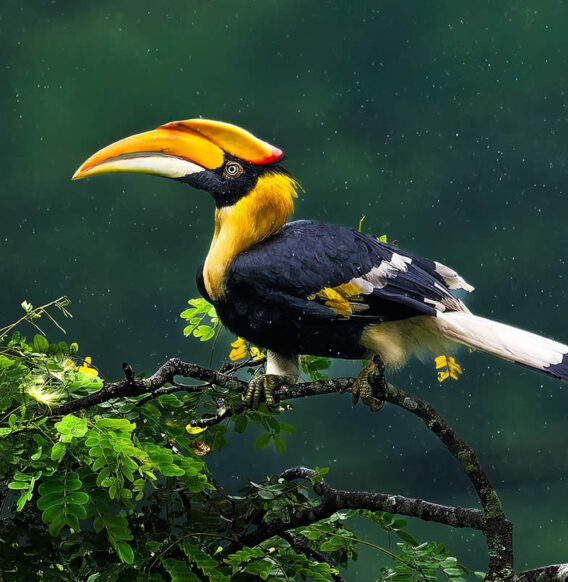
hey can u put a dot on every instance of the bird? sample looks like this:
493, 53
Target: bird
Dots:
308, 287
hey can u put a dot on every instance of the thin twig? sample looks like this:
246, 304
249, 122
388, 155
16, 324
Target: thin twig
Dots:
232, 367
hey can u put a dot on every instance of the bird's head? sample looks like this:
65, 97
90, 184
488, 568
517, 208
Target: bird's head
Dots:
223, 159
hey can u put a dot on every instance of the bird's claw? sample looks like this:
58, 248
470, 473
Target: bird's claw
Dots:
366, 390
262, 388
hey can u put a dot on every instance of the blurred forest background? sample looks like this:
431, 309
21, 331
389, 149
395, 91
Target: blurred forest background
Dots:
444, 123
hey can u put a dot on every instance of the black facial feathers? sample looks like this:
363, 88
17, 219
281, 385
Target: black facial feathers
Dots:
225, 189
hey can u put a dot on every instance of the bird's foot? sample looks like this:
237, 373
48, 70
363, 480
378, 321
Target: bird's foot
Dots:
261, 388
369, 385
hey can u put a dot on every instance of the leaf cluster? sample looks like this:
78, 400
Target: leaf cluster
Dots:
426, 562
203, 320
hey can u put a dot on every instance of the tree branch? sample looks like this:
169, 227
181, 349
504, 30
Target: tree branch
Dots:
132, 386
334, 500
491, 520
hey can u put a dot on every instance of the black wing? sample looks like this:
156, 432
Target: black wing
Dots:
314, 278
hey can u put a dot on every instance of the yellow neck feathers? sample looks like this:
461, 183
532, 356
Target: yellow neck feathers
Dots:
257, 215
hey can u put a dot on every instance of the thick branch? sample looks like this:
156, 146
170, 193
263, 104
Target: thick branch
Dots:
334, 500
132, 386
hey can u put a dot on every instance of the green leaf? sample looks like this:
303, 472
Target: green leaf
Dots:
96, 451
47, 501
314, 366
23, 499
319, 474
203, 560
18, 476
118, 424
100, 462
240, 421
72, 521
179, 571
280, 443
266, 494
5, 362
204, 333
121, 533
453, 571
49, 514
261, 568
404, 535
72, 484
58, 451
72, 426
40, 344
54, 485
57, 524
333, 543
170, 470
261, 442
37, 455
124, 551
78, 497
287, 428
18, 485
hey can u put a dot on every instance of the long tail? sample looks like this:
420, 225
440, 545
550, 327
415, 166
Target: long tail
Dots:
504, 341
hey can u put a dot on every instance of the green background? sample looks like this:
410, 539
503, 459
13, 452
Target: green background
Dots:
443, 122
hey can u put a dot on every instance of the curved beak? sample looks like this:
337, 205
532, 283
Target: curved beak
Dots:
178, 149
162, 152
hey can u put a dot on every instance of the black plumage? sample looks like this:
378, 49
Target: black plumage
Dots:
268, 289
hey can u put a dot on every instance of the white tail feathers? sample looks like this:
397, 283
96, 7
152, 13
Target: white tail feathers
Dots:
504, 341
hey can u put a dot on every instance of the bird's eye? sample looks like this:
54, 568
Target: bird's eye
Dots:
233, 170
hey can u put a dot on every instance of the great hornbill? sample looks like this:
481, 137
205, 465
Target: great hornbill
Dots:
306, 287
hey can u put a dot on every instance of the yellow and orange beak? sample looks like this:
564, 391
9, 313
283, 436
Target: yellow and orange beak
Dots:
178, 149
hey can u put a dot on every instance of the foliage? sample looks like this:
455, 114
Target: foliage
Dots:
122, 490
423, 562
203, 320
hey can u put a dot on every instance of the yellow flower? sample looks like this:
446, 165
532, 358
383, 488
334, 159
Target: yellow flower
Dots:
194, 429
86, 367
451, 368
239, 350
